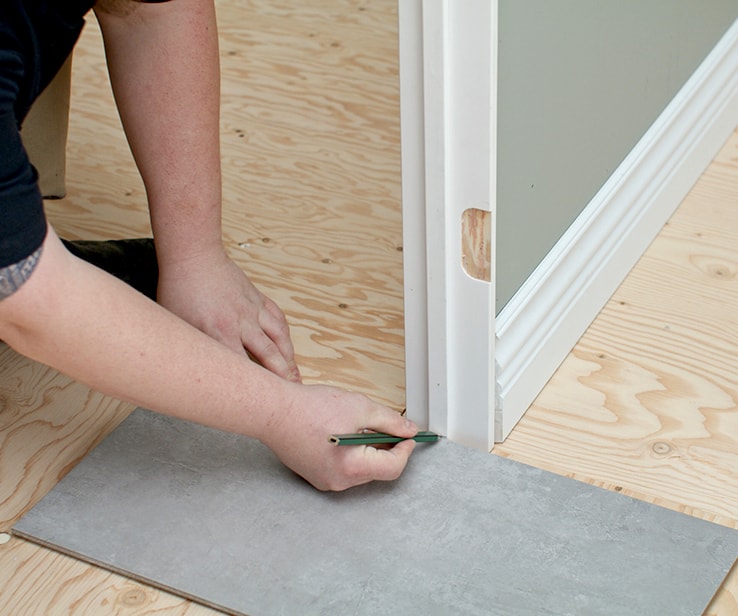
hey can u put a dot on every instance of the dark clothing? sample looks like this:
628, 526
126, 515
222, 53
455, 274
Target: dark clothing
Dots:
133, 261
36, 37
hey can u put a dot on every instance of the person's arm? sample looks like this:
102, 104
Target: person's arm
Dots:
164, 67
89, 325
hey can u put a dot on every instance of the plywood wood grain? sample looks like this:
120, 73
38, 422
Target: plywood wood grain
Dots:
48, 423
39, 582
311, 176
312, 165
310, 139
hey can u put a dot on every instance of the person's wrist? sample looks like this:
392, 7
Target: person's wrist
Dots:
184, 257
279, 414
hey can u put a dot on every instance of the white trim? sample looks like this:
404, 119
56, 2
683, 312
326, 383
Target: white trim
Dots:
413, 209
448, 51
543, 321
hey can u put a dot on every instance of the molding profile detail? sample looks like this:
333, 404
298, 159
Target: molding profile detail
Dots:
543, 321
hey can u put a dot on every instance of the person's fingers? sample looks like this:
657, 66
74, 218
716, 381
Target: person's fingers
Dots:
386, 464
383, 419
366, 463
230, 337
274, 323
319, 411
263, 349
267, 339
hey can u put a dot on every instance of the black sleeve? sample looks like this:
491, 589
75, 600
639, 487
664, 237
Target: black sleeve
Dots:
22, 220
36, 37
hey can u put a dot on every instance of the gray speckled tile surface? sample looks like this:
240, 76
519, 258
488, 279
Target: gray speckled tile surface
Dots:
216, 517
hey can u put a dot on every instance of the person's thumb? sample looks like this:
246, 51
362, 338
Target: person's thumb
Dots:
391, 422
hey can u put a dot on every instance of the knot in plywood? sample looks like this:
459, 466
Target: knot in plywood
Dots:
661, 448
133, 597
717, 269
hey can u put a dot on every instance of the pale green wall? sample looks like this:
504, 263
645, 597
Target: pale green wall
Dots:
580, 81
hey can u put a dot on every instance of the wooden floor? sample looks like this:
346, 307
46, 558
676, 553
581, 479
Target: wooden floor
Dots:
646, 404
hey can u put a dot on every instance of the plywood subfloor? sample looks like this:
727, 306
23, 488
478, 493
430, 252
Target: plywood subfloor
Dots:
654, 423
311, 166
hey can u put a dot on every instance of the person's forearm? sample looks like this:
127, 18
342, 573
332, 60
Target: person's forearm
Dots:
84, 322
163, 62
96, 329
164, 67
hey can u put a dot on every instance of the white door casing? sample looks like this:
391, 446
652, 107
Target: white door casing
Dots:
459, 382
448, 115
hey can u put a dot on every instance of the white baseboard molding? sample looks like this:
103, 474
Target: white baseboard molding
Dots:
543, 321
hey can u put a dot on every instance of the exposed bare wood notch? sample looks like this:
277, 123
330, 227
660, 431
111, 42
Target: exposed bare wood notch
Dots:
476, 251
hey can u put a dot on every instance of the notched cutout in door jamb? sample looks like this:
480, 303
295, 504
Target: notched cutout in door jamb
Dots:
476, 246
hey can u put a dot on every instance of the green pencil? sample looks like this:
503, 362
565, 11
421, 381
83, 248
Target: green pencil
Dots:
378, 438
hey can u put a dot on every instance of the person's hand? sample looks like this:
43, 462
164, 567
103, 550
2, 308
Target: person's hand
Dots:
300, 438
214, 295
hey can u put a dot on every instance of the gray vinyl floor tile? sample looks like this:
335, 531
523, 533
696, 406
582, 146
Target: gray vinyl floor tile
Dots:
216, 517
